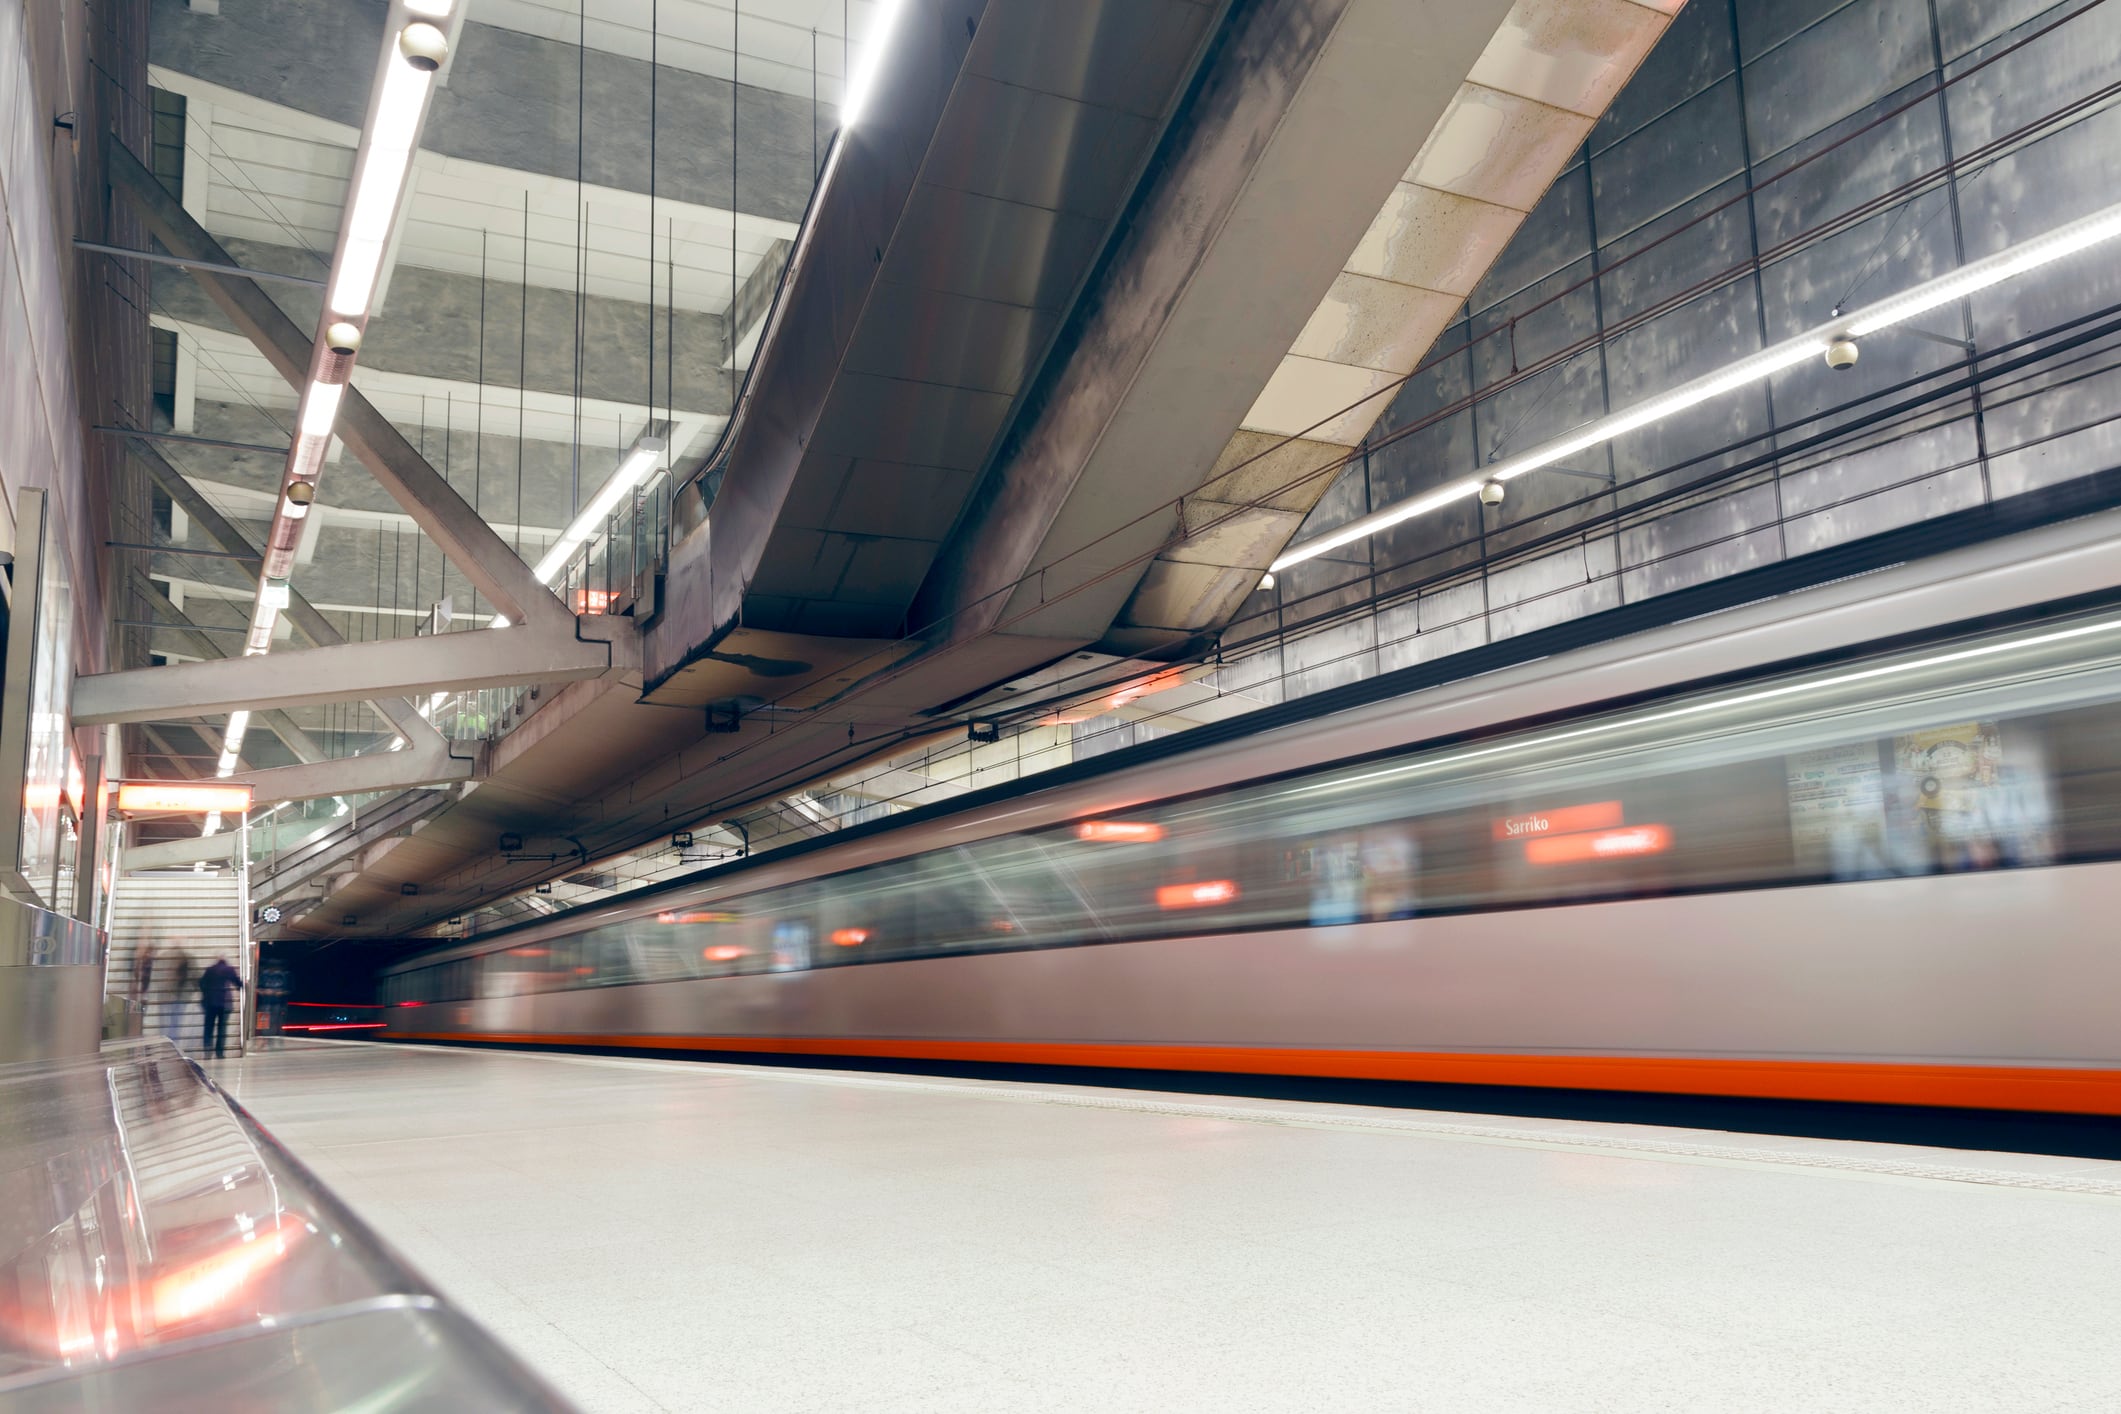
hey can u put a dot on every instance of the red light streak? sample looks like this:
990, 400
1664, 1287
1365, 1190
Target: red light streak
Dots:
1119, 831
1606, 844
333, 1025
1155, 682
412, 1004
1196, 895
851, 937
345, 1006
725, 952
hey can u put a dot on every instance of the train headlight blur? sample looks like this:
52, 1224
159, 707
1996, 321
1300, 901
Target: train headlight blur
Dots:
1605, 844
1120, 831
1196, 895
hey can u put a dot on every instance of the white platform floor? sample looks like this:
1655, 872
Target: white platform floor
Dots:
669, 1235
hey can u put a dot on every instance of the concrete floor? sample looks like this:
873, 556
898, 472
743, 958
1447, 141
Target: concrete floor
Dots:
669, 1235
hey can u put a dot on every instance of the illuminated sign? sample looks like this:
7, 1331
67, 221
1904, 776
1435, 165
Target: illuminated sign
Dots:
1570, 818
1119, 831
1195, 895
695, 916
179, 798
594, 601
724, 952
1605, 844
850, 937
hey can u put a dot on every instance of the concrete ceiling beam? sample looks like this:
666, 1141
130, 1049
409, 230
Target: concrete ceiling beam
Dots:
447, 518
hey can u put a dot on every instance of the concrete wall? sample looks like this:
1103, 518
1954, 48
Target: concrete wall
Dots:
41, 436
1738, 93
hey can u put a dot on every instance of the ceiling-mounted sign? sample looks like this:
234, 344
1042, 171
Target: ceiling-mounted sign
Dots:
1603, 815
181, 798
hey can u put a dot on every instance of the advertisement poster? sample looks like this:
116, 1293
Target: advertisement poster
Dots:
1971, 803
1953, 771
1837, 810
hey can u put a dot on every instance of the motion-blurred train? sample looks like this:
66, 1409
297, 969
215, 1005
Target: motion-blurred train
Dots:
1861, 842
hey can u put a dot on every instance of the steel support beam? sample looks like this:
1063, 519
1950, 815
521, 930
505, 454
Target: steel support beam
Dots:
307, 621
177, 761
350, 672
353, 775
449, 520
281, 725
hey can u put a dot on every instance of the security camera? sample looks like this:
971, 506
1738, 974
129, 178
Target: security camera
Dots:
1492, 492
343, 339
423, 46
1841, 354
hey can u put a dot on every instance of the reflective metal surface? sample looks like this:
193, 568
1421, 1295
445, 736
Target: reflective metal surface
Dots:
36, 937
161, 1251
51, 984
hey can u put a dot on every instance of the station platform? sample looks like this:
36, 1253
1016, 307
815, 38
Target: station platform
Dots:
671, 1235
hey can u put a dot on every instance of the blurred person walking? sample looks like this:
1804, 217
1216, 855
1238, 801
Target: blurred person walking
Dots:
220, 988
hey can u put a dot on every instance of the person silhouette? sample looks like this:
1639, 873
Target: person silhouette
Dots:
219, 989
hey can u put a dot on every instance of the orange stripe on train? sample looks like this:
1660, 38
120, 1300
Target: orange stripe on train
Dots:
2066, 1091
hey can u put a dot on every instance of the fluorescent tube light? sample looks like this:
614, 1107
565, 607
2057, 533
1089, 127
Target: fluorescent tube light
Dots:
863, 80
639, 462
381, 181
320, 410
1968, 279
1993, 270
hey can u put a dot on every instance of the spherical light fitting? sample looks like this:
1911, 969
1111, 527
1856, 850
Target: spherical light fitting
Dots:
423, 46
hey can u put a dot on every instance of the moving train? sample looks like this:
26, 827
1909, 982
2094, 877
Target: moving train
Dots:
1886, 868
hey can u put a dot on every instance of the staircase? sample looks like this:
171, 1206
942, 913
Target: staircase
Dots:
189, 919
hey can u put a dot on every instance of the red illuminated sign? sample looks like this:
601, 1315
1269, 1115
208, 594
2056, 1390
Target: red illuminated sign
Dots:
1605, 844
1119, 831
594, 601
850, 937
1570, 818
724, 952
1195, 895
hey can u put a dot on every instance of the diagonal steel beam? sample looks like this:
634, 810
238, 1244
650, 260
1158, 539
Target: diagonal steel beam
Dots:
312, 625
282, 726
180, 764
350, 672
449, 520
357, 775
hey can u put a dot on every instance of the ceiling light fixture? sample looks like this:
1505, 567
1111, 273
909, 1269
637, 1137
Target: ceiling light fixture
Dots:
1896, 309
862, 82
394, 131
634, 468
413, 52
